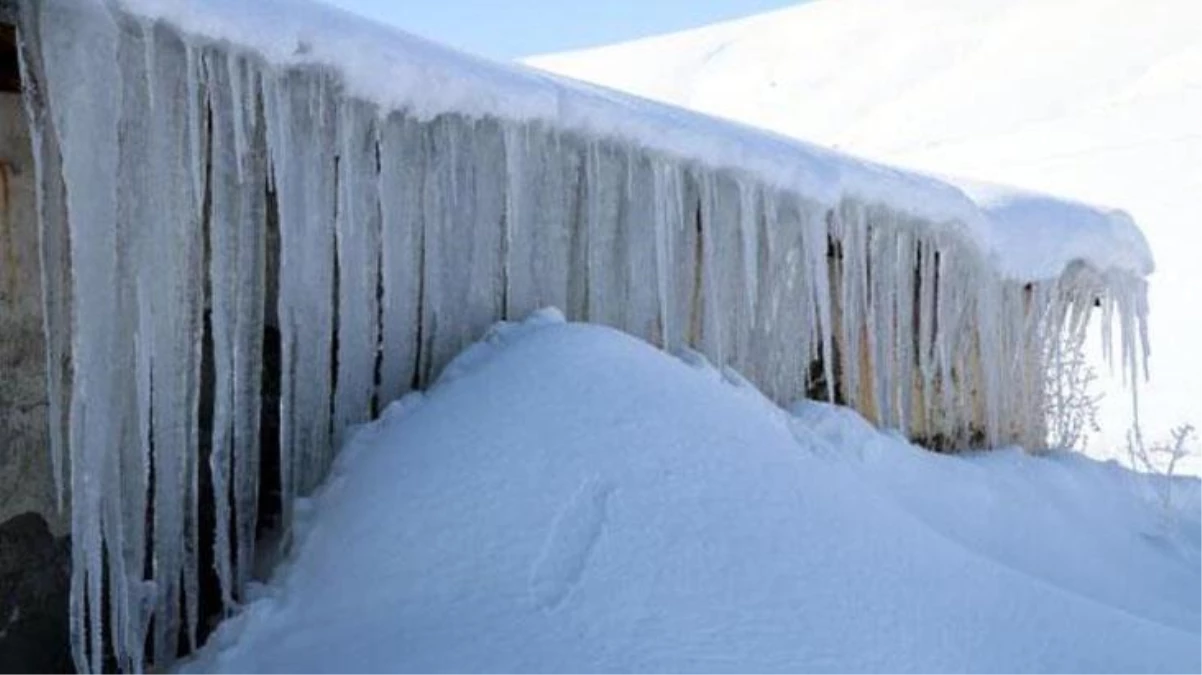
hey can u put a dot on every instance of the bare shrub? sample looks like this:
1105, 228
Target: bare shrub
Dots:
1161, 459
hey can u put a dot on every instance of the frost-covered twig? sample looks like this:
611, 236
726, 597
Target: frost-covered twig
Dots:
1070, 403
1161, 459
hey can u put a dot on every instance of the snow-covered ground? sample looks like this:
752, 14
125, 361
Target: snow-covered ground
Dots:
1097, 100
568, 498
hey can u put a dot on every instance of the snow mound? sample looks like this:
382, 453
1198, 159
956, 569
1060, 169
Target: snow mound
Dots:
569, 498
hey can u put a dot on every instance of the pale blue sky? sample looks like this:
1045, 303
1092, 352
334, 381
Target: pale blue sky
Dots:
509, 29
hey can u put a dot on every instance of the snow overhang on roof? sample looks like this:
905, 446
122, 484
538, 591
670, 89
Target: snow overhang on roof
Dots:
1027, 236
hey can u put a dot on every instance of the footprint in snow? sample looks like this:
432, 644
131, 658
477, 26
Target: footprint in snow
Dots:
571, 540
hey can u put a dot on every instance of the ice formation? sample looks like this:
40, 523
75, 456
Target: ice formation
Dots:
193, 193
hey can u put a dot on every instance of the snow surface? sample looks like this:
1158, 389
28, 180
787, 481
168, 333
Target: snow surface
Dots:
400, 71
568, 498
1094, 100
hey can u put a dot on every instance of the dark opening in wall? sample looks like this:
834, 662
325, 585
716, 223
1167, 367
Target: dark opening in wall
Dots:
10, 65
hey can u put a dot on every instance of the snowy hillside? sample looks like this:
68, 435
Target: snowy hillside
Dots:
1094, 100
568, 498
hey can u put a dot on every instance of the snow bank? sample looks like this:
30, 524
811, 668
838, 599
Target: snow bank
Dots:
399, 71
572, 499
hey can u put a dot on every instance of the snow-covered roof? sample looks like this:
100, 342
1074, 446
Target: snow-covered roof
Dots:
399, 71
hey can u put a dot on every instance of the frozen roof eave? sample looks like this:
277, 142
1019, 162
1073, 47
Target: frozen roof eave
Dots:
1027, 237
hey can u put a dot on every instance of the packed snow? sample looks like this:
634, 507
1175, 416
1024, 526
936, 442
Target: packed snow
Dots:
399, 71
1094, 100
568, 498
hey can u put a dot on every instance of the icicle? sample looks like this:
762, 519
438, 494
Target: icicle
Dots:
302, 141
169, 287
605, 238
666, 199
927, 312
463, 208
905, 330
725, 297
748, 231
223, 278
882, 284
540, 188
684, 206
516, 161
437, 204
949, 287
235, 73
403, 160
852, 234
641, 255
196, 113
358, 241
486, 167
134, 211
578, 231
785, 308
711, 339
236, 282
79, 54
817, 289
250, 310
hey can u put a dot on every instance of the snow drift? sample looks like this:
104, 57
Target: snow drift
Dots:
570, 499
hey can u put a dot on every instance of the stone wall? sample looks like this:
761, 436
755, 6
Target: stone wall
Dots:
26, 479
34, 554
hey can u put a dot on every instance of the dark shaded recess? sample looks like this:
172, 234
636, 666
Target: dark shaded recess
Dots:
943, 444
10, 68
270, 502
816, 385
35, 571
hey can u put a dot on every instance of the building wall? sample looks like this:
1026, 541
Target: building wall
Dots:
34, 548
26, 479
